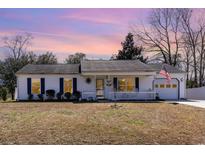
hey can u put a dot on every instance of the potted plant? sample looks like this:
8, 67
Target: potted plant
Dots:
59, 96
157, 96
40, 96
30, 97
50, 94
67, 95
76, 95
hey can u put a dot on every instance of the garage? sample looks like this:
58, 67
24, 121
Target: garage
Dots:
167, 90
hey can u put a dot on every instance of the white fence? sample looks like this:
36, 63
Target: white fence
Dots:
90, 95
133, 95
149, 95
195, 93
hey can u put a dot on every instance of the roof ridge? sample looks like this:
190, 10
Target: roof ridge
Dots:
110, 60
52, 64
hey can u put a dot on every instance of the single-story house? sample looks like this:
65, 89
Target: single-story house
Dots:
102, 79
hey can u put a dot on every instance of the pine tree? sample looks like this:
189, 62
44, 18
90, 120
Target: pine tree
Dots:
130, 51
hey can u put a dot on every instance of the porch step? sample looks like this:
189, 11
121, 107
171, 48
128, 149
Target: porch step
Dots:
100, 97
102, 100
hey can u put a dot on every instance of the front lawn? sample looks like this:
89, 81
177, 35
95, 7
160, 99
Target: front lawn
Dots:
128, 123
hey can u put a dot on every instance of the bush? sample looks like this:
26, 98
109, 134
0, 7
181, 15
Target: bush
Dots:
77, 95
191, 84
67, 95
59, 95
50, 93
40, 96
3, 93
30, 97
157, 96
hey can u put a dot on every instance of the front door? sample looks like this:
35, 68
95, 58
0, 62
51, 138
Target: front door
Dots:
100, 88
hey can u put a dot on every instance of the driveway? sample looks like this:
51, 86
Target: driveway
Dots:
196, 103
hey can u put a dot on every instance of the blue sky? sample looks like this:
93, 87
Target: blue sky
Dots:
96, 32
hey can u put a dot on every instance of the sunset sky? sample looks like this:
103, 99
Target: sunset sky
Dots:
96, 32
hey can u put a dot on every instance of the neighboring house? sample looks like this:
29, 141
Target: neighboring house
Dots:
102, 79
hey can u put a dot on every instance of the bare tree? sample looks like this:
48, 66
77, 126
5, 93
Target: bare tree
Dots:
17, 45
187, 60
194, 39
18, 58
201, 53
190, 36
163, 36
75, 58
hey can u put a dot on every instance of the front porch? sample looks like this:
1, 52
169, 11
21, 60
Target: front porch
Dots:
120, 87
115, 96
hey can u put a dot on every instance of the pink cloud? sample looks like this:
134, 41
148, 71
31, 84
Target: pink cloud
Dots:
105, 16
77, 43
69, 43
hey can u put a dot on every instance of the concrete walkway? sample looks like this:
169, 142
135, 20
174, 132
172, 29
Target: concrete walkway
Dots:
196, 103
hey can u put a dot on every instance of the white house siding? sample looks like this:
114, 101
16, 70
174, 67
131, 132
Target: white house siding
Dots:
181, 77
145, 83
89, 89
51, 82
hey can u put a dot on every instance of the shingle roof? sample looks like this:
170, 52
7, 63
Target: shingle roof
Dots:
169, 68
50, 69
114, 65
96, 66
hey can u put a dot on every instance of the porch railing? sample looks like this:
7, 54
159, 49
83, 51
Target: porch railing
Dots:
148, 95
89, 95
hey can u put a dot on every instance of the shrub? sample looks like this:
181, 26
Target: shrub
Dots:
40, 96
67, 95
59, 95
50, 93
3, 93
157, 96
30, 97
191, 84
77, 95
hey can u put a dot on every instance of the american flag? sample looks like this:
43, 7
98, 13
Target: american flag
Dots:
165, 73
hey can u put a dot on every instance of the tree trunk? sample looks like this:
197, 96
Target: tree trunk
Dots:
195, 67
187, 70
12, 96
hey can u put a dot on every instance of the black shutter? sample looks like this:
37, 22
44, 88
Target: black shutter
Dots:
115, 84
42, 85
137, 83
79, 68
74, 84
61, 85
29, 86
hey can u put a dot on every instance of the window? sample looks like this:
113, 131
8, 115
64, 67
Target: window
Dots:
99, 84
174, 86
168, 86
126, 84
68, 85
156, 86
161, 86
36, 86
